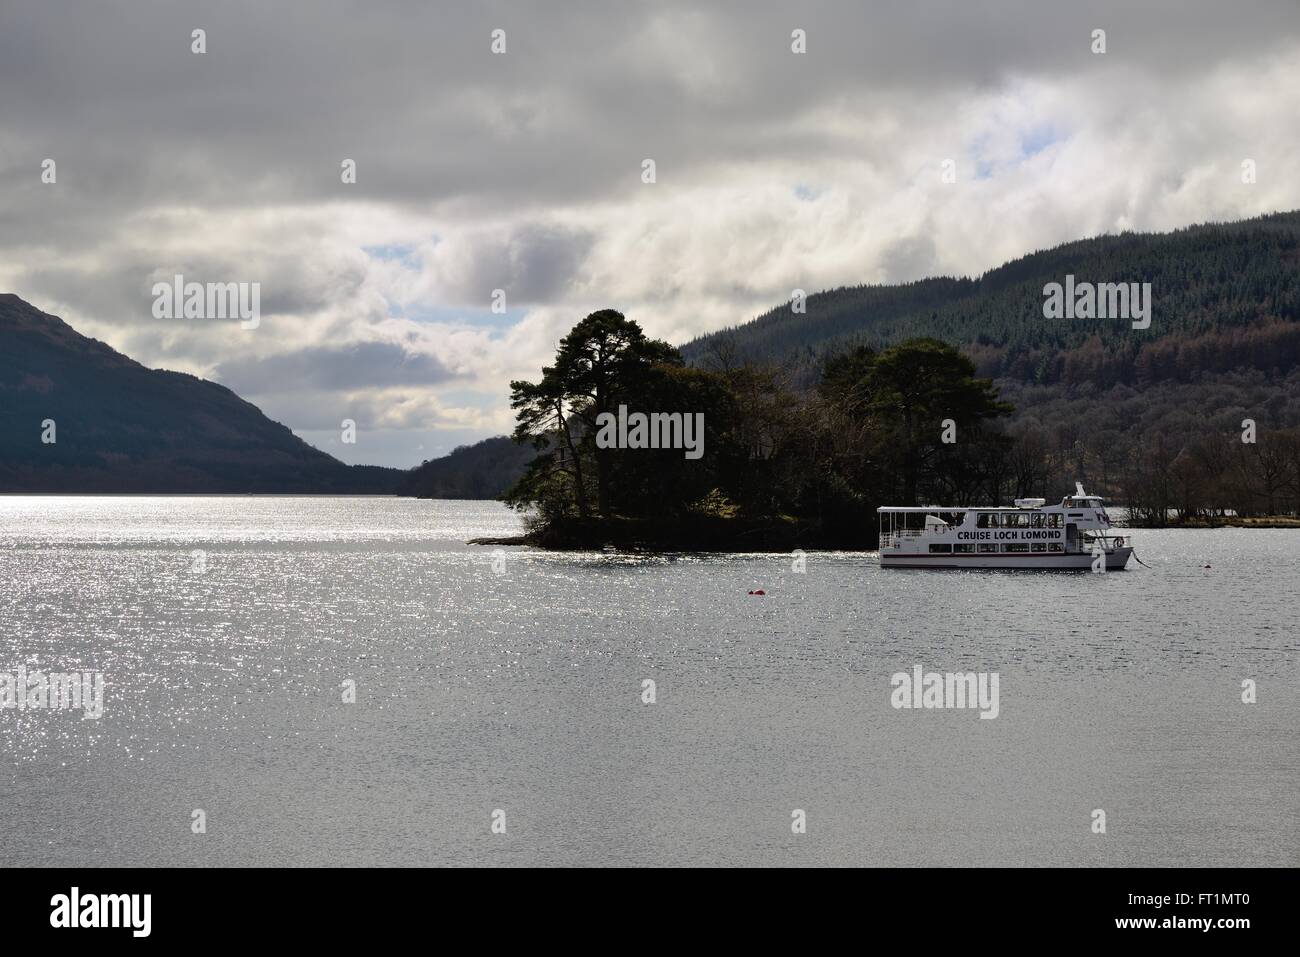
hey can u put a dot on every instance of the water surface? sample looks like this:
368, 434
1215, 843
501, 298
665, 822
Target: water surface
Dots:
512, 679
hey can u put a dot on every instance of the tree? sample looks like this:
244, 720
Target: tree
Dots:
604, 360
554, 479
910, 390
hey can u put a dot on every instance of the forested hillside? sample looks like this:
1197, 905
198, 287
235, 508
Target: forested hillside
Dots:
1225, 296
482, 470
1155, 418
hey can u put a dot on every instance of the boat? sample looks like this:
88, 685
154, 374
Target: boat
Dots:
1074, 535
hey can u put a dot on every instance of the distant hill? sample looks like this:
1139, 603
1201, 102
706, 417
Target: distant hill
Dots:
483, 470
1226, 297
120, 427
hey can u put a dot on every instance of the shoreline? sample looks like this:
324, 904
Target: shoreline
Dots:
1274, 521
681, 534
774, 536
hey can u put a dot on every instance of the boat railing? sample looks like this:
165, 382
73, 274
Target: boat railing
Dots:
900, 535
1109, 540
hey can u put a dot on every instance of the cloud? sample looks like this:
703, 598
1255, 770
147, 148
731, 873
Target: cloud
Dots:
532, 262
522, 172
356, 366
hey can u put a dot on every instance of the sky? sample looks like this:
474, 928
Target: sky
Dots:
524, 171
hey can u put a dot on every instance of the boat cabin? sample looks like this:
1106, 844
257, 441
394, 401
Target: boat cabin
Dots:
1028, 527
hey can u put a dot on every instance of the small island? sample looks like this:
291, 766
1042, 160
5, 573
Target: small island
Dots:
635, 449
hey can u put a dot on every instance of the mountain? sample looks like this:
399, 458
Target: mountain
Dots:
120, 427
482, 470
1225, 298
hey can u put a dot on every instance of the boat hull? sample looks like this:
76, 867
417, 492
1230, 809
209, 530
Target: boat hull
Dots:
1116, 560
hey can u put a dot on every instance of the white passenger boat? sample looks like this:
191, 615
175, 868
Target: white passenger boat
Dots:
1076, 534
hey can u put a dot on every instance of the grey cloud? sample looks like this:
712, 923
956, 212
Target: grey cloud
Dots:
585, 92
119, 290
357, 366
534, 263
909, 259
543, 260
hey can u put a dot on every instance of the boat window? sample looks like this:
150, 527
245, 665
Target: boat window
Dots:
1038, 546
941, 549
963, 549
1055, 547
1038, 520
988, 547
987, 520
1021, 520
1015, 547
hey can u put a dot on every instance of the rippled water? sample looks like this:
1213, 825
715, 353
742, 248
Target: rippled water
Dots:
521, 691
